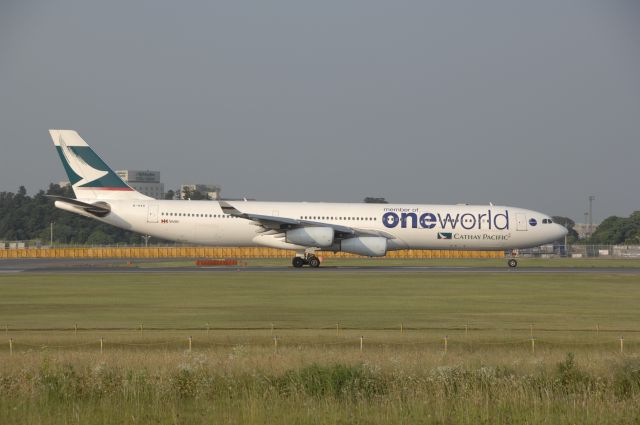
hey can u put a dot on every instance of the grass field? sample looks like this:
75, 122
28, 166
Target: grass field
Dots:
435, 262
368, 300
235, 372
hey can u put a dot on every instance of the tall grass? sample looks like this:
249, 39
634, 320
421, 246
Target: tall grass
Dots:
253, 385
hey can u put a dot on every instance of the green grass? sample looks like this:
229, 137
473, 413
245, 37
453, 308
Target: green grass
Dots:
366, 300
235, 375
436, 262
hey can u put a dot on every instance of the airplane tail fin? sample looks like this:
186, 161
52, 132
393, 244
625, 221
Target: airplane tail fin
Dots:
89, 176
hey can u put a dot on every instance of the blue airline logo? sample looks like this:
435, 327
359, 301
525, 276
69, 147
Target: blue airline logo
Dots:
490, 220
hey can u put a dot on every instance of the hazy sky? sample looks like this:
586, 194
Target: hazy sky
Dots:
527, 103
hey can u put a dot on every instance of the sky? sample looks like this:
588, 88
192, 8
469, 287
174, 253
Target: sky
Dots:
526, 103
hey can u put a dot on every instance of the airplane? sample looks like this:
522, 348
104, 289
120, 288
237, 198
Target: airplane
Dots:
304, 227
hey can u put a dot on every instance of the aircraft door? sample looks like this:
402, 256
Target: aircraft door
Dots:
521, 221
152, 213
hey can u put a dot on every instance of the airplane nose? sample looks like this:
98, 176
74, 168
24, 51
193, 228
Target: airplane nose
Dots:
561, 230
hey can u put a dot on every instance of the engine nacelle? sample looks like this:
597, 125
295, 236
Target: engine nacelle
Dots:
371, 246
311, 236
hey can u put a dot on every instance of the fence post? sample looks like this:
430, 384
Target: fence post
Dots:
621, 345
75, 329
533, 346
597, 329
275, 344
337, 329
466, 330
361, 343
11, 346
401, 328
446, 343
101, 344
190, 341
141, 327
6, 329
271, 328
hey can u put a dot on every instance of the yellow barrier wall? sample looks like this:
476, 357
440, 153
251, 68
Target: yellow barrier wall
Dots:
212, 252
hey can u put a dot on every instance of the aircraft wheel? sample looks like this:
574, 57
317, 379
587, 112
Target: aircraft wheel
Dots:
313, 262
298, 262
512, 263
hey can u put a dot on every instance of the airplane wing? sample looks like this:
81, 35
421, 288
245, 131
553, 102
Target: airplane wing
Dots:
275, 224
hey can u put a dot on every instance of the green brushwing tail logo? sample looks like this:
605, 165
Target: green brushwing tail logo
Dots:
86, 169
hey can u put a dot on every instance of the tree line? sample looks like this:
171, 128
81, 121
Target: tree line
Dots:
24, 217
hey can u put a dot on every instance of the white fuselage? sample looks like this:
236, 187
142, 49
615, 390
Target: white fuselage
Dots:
469, 227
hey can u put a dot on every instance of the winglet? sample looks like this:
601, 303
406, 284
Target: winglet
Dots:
229, 209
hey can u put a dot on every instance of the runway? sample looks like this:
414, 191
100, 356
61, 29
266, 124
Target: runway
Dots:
58, 266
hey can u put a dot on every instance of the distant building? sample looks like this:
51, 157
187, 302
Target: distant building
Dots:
209, 190
144, 181
584, 230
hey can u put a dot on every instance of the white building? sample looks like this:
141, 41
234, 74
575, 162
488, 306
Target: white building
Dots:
210, 190
584, 230
144, 181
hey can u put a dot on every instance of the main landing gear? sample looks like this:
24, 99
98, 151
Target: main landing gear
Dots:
309, 260
512, 262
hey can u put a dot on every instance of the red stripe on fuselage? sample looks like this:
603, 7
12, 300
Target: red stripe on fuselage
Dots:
105, 188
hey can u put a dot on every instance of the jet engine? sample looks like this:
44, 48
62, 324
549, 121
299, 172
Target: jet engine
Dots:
371, 246
311, 236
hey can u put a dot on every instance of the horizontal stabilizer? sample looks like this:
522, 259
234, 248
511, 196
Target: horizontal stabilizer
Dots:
99, 209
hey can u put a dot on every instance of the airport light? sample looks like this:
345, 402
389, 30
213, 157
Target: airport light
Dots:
591, 199
586, 224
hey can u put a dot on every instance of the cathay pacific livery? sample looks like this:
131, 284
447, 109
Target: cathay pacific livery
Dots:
304, 227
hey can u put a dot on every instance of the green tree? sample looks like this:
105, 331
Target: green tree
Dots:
23, 217
99, 237
617, 230
569, 224
196, 195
